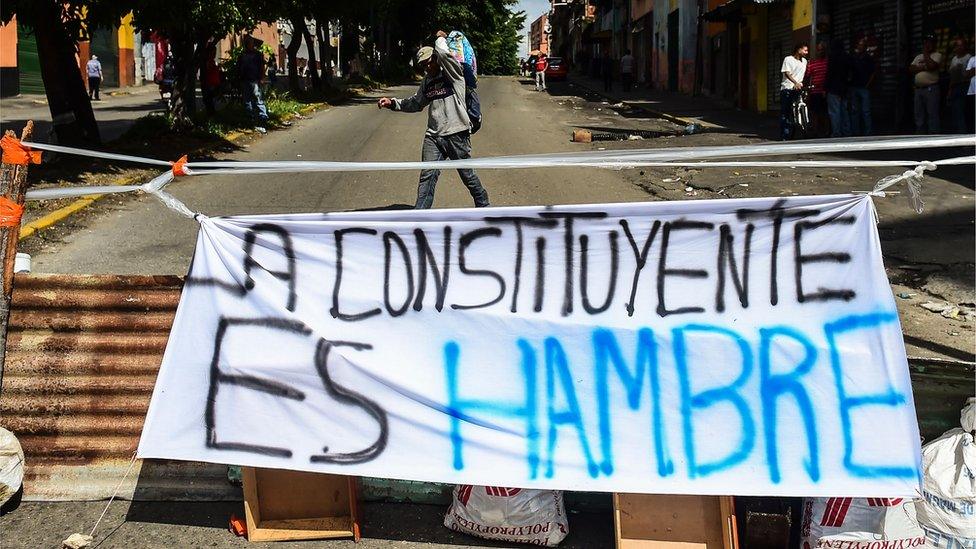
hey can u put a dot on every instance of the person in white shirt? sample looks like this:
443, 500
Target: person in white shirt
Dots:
794, 69
971, 95
94, 69
925, 68
958, 85
627, 70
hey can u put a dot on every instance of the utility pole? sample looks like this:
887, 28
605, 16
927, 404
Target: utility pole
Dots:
13, 185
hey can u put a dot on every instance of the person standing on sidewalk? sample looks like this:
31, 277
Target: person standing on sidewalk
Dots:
541, 64
627, 70
815, 83
838, 81
250, 67
794, 69
448, 134
925, 68
606, 70
971, 94
863, 69
94, 69
958, 86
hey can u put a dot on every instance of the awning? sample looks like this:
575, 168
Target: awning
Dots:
732, 10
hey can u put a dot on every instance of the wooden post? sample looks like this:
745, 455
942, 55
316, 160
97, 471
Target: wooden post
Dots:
13, 185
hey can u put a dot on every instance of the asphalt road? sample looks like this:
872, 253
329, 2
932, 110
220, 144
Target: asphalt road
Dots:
114, 113
144, 237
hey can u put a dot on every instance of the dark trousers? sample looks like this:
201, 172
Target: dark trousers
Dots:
452, 147
94, 83
626, 80
787, 98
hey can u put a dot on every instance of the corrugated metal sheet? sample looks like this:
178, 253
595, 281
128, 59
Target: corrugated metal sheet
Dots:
83, 353
82, 358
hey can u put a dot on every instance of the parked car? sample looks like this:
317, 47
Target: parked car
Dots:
557, 69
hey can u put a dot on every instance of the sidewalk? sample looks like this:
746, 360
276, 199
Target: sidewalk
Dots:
712, 114
115, 113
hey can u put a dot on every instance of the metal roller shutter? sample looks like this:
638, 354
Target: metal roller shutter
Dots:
876, 20
28, 64
779, 45
105, 44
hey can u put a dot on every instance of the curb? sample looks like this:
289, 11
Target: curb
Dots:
55, 217
655, 113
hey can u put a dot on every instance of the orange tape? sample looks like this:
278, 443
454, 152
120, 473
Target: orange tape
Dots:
178, 166
15, 152
10, 212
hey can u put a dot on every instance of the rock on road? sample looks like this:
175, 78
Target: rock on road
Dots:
144, 237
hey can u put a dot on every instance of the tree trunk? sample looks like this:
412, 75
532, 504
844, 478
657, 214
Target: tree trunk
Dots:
325, 51
294, 83
71, 110
183, 103
313, 71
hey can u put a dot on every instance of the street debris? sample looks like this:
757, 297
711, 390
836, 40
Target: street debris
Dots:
948, 310
906, 295
11, 465
77, 541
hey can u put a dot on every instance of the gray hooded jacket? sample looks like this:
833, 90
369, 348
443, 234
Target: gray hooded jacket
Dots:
444, 94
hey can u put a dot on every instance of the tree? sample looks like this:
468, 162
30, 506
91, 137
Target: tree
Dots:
193, 27
58, 26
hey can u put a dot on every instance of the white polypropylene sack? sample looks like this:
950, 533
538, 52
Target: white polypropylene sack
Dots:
946, 512
518, 515
11, 465
852, 523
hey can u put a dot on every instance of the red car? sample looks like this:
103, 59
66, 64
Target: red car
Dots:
557, 69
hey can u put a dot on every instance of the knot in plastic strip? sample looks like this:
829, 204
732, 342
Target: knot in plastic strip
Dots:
15, 152
179, 167
10, 212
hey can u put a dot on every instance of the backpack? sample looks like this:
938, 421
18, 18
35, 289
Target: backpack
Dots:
473, 105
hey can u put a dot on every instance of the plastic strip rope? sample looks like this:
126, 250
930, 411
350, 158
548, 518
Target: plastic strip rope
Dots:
606, 159
914, 179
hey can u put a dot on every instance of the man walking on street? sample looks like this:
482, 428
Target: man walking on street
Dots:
627, 70
541, 64
94, 69
794, 69
250, 66
925, 68
448, 133
863, 68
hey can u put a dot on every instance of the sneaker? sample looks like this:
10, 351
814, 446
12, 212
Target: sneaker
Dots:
260, 129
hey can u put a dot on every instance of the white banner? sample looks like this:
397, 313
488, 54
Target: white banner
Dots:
745, 347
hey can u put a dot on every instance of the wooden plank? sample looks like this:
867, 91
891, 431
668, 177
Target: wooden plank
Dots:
646, 521
282, 505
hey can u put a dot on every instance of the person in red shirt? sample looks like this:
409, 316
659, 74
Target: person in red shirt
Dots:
816, 79
541, 64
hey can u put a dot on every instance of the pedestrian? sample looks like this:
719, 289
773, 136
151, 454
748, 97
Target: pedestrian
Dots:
606, 70
958, 86
971, 95
541, 64
448, 135
210, 80
925, 68
863, 69
837, 84
530, 66
94, 69
794, 69
250, 68
815, 82
627, 70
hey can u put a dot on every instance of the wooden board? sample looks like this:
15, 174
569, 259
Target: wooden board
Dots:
645, 521
284, 505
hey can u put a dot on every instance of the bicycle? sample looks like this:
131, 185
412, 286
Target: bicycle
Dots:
801, 114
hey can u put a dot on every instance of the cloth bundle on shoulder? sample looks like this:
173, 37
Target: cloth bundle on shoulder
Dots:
462, 50
518, 515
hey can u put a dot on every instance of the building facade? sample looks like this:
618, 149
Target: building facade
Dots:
538, 35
